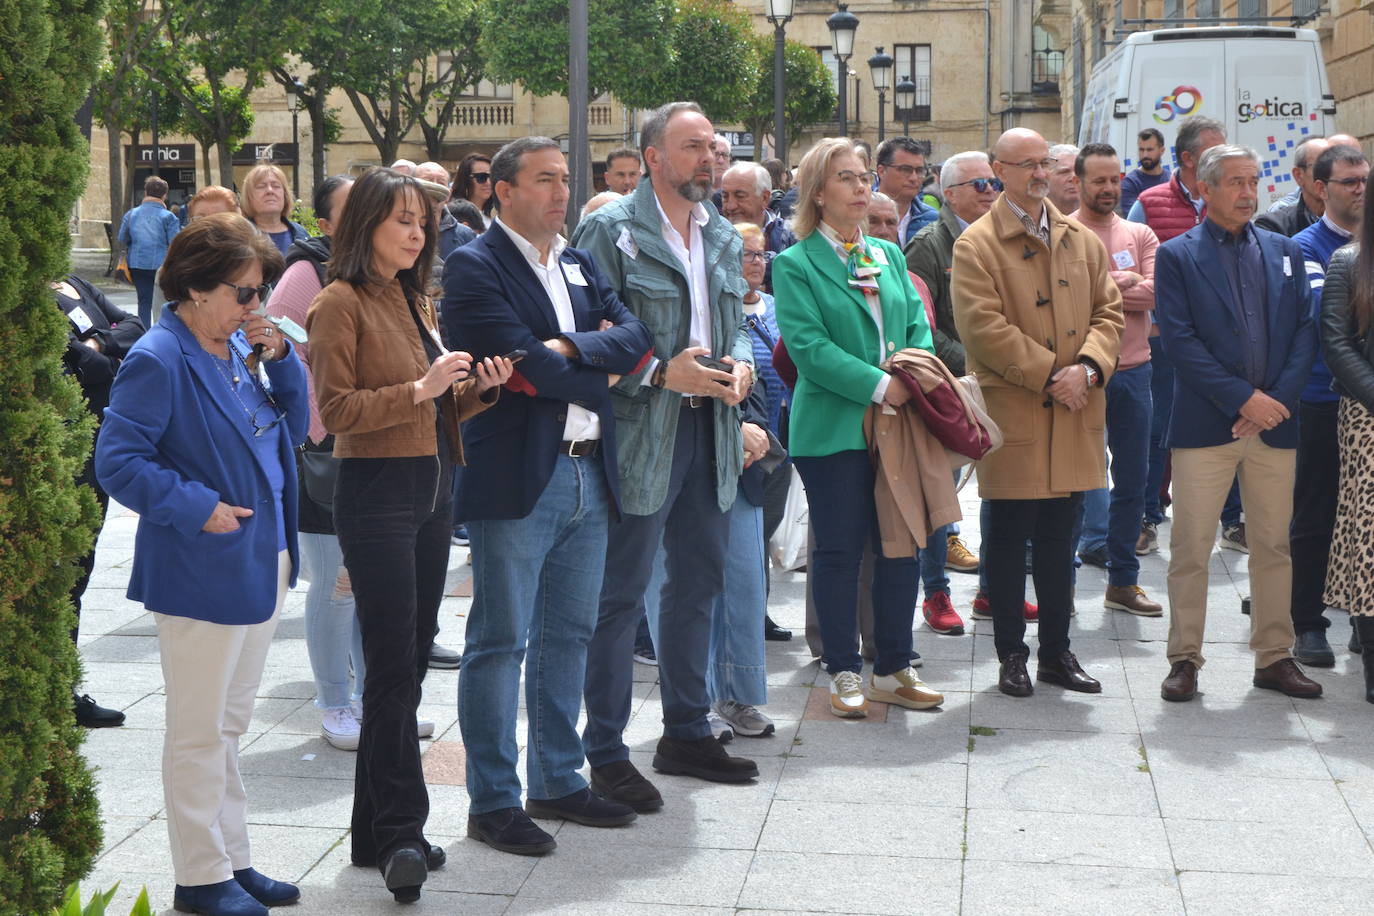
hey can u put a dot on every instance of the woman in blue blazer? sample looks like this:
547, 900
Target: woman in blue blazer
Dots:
198, 440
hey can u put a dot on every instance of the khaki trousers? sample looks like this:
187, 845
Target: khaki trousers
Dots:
1201, 479
212, 672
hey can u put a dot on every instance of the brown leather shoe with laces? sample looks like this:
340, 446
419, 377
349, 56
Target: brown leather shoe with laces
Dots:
1181, 684
1286, 677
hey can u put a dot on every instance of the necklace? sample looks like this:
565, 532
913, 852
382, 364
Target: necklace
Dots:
231, 379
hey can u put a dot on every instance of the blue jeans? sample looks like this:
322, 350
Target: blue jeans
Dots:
737, 671
1161, 408
839, 490
1128, 416
145, 285
693, 531
332, 635
536, 588
933, 574
1092, 533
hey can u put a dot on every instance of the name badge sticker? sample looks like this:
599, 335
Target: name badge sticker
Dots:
79, 318
878, 255
627, 244
573, 273
1124, 260
1287, 266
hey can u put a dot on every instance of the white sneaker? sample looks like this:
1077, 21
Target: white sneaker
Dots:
903, 688
719, 727
746, 720
340, 728
847, 698
425, 727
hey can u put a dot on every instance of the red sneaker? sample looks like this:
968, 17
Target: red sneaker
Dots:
983, 611
940, 615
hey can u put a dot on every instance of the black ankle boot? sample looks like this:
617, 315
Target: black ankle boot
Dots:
1365, 627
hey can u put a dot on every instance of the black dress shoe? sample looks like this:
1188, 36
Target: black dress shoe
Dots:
1354, 644
90, 714
510, 830
1311, 648
1096, 558
1067, 673
434, 861
584, 807
621, 782
704, 758
404, 872
442, 657
774, 633
1013, 679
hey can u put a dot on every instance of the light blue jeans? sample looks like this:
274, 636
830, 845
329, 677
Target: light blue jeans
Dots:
332, 635
536, 597
737, 670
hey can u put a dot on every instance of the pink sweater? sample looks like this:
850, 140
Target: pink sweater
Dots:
291, 298
1133, 245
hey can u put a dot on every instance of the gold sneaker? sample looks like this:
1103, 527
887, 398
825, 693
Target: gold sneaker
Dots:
847, 695
960, 558
903, 688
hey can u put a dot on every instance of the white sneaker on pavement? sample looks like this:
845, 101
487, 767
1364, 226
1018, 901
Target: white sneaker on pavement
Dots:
423, 727
746, 720
903, 688
847, 698
719, 727
340, 728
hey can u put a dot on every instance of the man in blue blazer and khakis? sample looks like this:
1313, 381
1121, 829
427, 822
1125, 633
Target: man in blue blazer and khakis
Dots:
1234, 312
538, 494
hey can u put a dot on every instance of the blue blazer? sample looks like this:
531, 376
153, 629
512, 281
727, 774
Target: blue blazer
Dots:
175, 441
1201, 332
493, 304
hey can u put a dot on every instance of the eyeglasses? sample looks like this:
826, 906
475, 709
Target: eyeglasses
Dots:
855, 179
276, 414
481, 177
1032, 164
245, 294
261, 429
980, 184
755, 255
907, 171
1354, 182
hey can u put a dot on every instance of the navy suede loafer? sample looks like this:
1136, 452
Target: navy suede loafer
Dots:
226, 898
264, 890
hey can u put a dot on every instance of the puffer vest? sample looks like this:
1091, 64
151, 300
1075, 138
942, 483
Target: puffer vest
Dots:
1168, 211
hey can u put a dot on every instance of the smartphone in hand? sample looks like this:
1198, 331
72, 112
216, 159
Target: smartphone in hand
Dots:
516, 355
719, 365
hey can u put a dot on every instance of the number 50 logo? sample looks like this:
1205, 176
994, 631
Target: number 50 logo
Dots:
1184, 100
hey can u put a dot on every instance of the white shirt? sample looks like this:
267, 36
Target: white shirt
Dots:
581, 423
875, 305
693, 259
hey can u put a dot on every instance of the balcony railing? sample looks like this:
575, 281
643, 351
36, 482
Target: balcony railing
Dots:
599, 115
484, 114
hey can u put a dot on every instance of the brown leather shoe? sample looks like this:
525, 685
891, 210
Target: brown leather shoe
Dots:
1067, 673
1131, 598
1181, 684
1286, 677
1013, 679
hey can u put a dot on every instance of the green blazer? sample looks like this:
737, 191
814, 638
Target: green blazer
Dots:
833, 339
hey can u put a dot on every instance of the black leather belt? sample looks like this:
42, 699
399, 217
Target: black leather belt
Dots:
695, 400
580, 448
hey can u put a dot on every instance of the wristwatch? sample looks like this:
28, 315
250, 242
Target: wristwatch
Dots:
1091, 373
660, 374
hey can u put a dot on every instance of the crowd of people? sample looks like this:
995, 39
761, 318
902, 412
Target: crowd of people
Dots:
613, 423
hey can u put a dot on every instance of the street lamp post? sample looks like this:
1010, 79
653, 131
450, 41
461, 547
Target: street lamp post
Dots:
779, 13
843, 24
293, 102
880, 68
905, 98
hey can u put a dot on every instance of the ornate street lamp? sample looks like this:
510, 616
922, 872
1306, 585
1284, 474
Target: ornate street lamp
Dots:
880, 68
293, 103
779, 13
843, 24
905, 98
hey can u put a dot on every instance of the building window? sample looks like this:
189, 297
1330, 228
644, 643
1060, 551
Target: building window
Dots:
1252, 9
1173, 9
1206, 9
851, 96
1306, 8
486, 89
913, 61
1047, 62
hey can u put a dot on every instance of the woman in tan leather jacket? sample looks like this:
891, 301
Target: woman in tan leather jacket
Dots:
393, 395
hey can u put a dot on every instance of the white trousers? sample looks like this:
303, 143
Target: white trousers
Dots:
212, 672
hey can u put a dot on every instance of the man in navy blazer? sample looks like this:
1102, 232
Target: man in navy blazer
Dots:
537, 495
1234, 312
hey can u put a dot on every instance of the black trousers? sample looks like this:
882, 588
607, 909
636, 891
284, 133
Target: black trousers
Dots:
1048, 524
1316, 485
87, 562
394, 517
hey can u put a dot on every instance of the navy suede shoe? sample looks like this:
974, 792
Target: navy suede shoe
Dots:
226, 898
264, 890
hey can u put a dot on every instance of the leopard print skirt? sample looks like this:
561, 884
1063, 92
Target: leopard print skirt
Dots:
1350, 575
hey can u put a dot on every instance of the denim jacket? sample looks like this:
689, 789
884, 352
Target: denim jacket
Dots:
625, 238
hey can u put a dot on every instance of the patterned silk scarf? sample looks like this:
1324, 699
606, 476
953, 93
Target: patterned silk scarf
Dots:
863, 270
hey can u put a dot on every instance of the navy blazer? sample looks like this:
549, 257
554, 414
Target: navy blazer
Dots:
493, 303
174, 443
1201, 333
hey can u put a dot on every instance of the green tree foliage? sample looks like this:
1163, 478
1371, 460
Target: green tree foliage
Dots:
49, 823
225, 119
627, 44
714, 60
810, 97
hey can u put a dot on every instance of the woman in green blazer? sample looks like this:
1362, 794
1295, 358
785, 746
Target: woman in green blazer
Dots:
844, 305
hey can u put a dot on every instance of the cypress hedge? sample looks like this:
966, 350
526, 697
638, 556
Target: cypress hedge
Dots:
49, 821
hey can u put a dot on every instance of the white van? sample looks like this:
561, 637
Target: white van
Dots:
1267, 85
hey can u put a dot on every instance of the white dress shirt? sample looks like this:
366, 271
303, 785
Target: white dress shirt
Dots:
581, 423
692, 255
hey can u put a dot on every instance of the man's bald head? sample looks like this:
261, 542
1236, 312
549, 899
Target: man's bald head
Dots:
1016, 141
1021, 159
1342, 140
432, 171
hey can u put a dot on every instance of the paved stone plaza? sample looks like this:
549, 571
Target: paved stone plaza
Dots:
1239, 802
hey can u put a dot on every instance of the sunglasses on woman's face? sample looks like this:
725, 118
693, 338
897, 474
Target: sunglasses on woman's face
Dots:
481, 177
245, 294
981, 184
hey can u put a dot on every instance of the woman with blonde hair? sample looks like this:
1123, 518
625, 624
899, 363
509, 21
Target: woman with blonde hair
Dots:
267, 205
845, 305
